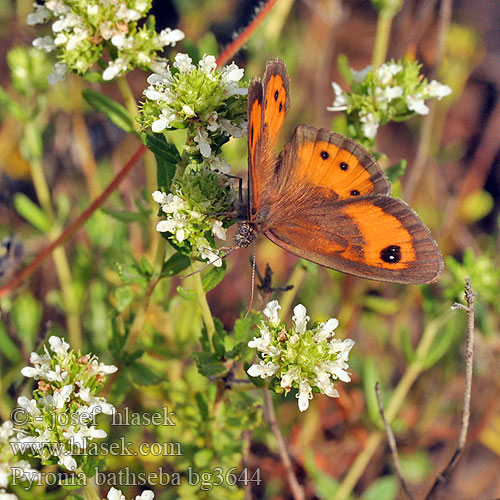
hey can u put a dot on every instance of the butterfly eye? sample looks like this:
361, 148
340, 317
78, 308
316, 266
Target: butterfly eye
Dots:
324, 155
344, 166
276, 95
391, 254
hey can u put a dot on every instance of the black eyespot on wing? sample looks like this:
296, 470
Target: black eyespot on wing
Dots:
355, 192
324, 155
281, 106
344, 166
276, 95
391, 254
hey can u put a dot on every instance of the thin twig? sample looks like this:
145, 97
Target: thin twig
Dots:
470, 297
295, 487
242, 38
392, 444
426, 137
26, 272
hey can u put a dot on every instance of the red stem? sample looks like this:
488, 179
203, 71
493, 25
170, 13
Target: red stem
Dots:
26, 272
236, 45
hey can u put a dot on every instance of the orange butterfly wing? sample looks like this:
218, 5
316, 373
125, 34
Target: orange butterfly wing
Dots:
268, 103
375, 237
330, 205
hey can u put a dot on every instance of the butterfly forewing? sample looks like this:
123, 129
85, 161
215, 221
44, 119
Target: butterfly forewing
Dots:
328, 160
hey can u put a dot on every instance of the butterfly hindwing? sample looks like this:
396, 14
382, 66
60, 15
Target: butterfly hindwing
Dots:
376, 237
255, 93
327, 160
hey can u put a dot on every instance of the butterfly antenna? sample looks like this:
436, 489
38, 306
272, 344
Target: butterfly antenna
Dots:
253, 280
220, 257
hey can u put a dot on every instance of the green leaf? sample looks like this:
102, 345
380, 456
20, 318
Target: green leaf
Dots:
370, 378
146, 266
381, 305
384, 488
203, 458
175, 264
14, 108
406, 345
125, 216
124, 296
203, 406
213, 277
7, 346
344, 68
325, 486
218, 339
167, 158
476, 206
187, 294
26, 315
31, 212
208, 364
394, 172
113, 110
141, 374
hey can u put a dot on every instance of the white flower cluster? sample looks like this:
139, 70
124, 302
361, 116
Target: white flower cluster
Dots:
114, 494
391, 91
68, 383
188, 224
81, 29
9, 463
189, 95
300, 357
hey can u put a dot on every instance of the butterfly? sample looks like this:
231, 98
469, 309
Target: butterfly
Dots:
325, 199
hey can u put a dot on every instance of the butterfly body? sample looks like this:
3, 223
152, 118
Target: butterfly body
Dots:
325, 199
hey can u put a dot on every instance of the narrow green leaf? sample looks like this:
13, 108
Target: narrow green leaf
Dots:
406, 345
167, 158
175, 264
141, 374
187, 294
124, 215
394, 172
384, 488
7, 346
26, 316
344, 68
113, 110
370, 378
31, 212
213, 277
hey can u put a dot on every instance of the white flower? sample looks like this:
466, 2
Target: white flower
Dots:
304, 395
326, 329
369, 125
58, 73
45, 43
166, 118
218, 230
324, 382
388, 94
203, 141
437, 90
166, 226
359, 76
340, 101
208, 64
29, 405
145, 495
183, 63
160, 197
271, 311
97, 368
62, 395
115, 68
114, 494
67, 461
209, 255
40, 16
7, 496
180, 235
417, 104
263, 343
288, 377
385, 72
168, 37
188, 111
174, 204
263, 369
127, 15
58, 345
300, 318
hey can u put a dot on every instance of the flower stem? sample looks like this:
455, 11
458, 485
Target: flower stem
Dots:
140, 317
60, 259
414, 369
90, 491
205, 308
384, 23
27, 271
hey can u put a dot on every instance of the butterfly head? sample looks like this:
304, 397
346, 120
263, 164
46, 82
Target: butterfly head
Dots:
246, 235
